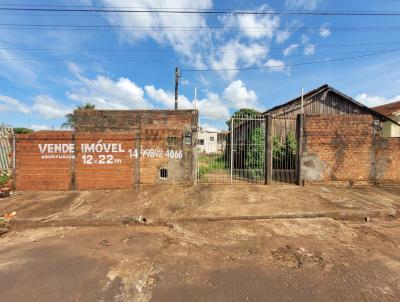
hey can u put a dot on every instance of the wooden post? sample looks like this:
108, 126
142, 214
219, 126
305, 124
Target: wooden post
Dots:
299, 153
268, 150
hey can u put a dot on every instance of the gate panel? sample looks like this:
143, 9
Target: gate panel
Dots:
284, 149
231, 150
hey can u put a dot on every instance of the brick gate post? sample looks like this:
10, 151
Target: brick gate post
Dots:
268, 150
299, 152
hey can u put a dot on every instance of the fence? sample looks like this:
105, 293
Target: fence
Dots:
233, 150
5, 149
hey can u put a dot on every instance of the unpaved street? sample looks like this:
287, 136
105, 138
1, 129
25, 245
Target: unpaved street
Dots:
262, 260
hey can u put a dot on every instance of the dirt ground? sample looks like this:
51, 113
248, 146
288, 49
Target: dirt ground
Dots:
177, 203
274, 259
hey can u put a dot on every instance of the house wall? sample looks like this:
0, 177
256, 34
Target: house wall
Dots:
340, 148
210, 142
389, 129
109, 150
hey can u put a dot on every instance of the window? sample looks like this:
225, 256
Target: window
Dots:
200, 142
163, 173
211, 138
172, 141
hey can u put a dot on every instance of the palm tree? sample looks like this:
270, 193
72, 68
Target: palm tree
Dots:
70, 123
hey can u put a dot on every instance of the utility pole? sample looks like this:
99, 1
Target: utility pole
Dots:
177, 76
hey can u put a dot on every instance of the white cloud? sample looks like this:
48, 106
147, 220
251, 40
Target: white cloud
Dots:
180, 39
372, 101
282, 36
302, 4
167, 99
275, 65
49, 108
106, 93
309, 50
257, 27
304, 39
212, 106
9, 104
184, 81
39, 127
290, 49
247, 54
324, 30
239, 97
44, 106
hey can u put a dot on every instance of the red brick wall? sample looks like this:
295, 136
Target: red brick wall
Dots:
35, 171
109, 157
346, 148
97, 170
388, 159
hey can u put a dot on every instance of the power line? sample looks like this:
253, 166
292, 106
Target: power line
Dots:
183, 28
296, 64
215, 12
195, 49
363, 54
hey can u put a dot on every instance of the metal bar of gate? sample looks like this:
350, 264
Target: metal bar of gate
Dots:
232, 149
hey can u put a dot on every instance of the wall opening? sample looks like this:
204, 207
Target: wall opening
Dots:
172, 141
163, 173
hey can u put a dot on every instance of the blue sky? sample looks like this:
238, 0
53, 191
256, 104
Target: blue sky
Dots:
45, 72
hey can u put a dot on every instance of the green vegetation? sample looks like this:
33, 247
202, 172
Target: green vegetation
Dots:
4, 179
284, 154
22, 130
70, 123
255, 154
210, 163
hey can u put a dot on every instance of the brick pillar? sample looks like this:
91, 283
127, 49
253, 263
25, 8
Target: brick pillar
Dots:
299, 153
268, 150
72, 183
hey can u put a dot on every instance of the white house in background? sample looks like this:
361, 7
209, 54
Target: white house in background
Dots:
207, 141
211, 141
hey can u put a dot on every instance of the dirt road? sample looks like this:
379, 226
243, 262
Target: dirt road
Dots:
270, 260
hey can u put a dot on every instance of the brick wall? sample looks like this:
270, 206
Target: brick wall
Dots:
45, 170
387, 159
107, 151
346, 148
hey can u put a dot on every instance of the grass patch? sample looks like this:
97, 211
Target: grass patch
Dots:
210, 163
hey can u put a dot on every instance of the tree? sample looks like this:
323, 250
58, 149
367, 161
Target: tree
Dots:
22, 130
70, 123
243, 112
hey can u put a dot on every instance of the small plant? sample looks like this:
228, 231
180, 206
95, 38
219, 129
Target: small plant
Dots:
4, 179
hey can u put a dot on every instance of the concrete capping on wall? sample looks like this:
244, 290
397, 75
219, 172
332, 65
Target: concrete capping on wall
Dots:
348, 149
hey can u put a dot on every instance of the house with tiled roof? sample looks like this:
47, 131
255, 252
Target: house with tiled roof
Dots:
391, 110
